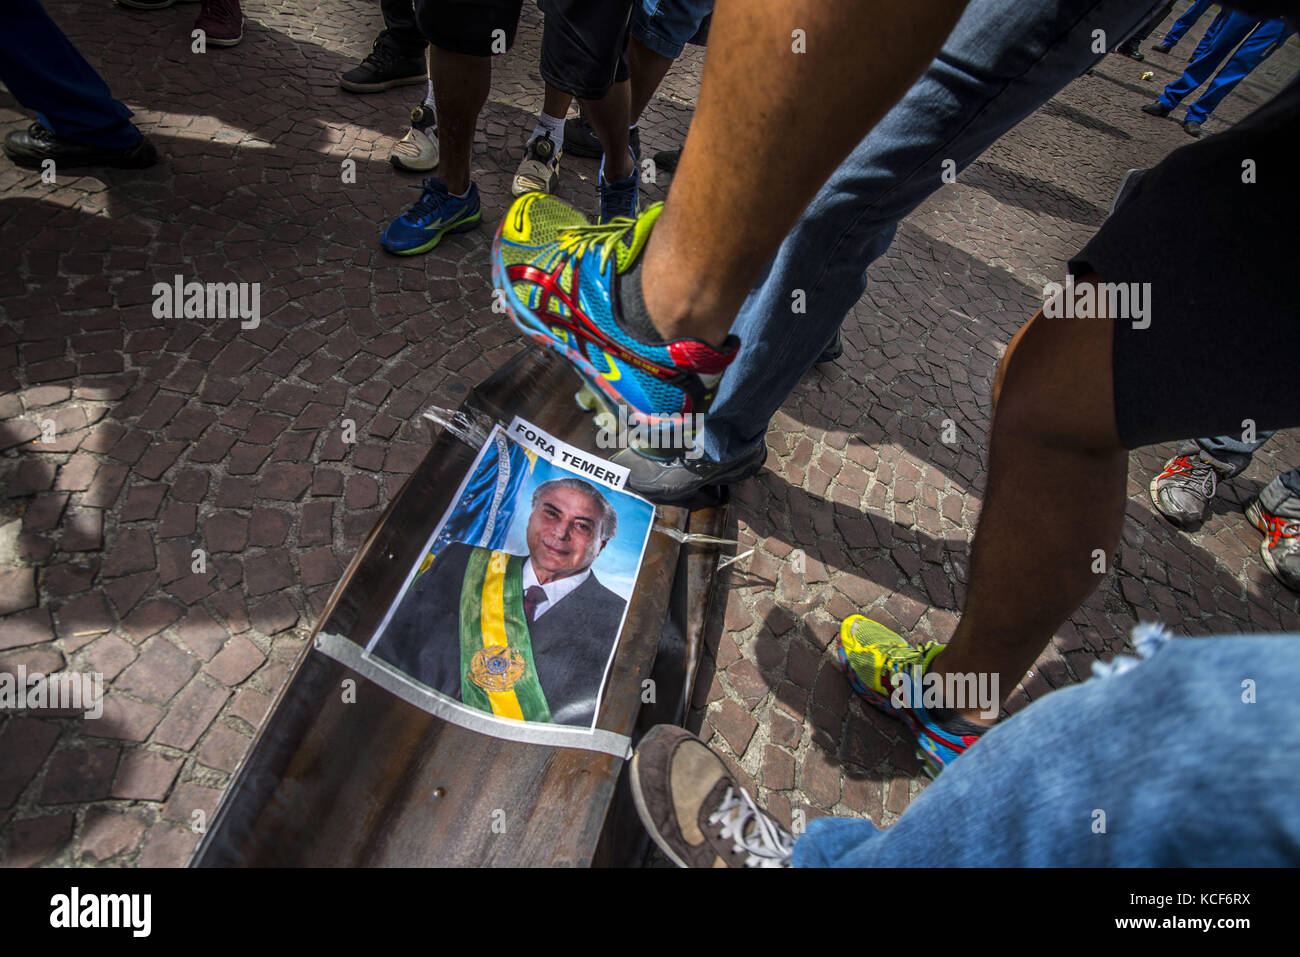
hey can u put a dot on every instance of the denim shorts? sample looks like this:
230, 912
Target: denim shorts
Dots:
666, 26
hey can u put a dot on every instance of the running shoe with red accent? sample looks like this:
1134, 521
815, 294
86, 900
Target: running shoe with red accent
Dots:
558, 275
1276, 513
1183, 490
887, 673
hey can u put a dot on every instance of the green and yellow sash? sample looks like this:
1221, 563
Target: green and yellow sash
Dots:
496, 651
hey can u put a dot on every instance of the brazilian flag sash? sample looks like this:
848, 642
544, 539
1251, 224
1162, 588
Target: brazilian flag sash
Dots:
496, 651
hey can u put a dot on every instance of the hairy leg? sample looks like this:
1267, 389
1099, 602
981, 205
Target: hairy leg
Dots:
1055, 496
859, 58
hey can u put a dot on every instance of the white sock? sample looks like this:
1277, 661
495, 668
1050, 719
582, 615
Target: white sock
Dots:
428, 96
552, 126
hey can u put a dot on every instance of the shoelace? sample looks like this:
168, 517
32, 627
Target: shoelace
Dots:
767, 843
381, 54
578, 239
435, 194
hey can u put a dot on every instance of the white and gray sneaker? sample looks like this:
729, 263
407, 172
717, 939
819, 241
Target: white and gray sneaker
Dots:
539, 171
1182, 492
1276, 513
417, 151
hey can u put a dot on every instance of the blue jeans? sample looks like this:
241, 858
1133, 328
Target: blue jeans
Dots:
1234, 447
1187, 21
47, 75
665, 25
1187, 758
1258, 47
1003, 60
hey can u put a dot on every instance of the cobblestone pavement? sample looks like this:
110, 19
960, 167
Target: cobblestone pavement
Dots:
172, 435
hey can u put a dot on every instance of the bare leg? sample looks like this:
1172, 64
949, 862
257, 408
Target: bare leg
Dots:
556, 102
860, 57
610, 119
1055, 495
647, 70
460, 88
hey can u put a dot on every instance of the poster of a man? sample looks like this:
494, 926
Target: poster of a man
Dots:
525, 633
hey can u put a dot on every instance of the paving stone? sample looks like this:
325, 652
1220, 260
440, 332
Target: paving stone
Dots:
25, 628
190, 714
17, 589
735, 724
145, 775
24, 744
239, 659
167, 845
83, 774
108, 833
34, 840
159, 672
125, 719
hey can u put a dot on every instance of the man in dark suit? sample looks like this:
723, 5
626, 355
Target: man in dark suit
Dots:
572, 620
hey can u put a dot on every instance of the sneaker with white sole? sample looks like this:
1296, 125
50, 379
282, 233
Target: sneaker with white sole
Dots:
417, 151
539, 171
694, 809
1276, 513
1183, 490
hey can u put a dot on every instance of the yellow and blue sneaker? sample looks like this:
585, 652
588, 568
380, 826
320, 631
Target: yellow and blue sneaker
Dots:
436, 214
878, 663
559, 275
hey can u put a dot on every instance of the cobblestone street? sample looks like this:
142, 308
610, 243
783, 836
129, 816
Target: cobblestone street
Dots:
171, 435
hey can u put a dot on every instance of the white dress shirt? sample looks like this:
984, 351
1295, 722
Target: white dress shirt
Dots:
555, 590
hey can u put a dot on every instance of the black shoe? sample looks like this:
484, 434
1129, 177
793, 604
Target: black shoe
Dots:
1191, 127
384, 69
832, 351
677, 479
1155, 109
1162, 47
667, 160
581, 140
36, 144
1131, 51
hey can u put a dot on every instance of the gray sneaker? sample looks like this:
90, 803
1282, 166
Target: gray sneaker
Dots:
677, 479
1183, 491
1276, 513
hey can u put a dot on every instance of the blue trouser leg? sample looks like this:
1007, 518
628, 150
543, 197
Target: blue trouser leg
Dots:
1186, 21
1004, 59
1187, 758
1257, 48
1235, 29
45, 73
1210, 33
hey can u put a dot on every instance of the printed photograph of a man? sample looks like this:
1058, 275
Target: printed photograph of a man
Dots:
523, 636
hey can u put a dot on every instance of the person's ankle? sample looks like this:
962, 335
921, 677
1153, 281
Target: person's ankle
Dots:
618, 170
679, 306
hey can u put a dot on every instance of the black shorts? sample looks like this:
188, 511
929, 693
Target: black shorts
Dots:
583, 41
1223, 341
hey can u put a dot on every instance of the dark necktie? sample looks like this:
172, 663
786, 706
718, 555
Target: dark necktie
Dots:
533, 597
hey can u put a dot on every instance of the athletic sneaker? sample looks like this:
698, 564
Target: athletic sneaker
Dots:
417, 151
1276, 513
694, 809
678, 478
620, 198
1183, 491
877, 662
539, 171
222, 21
437, 213
560, 277
384, 68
